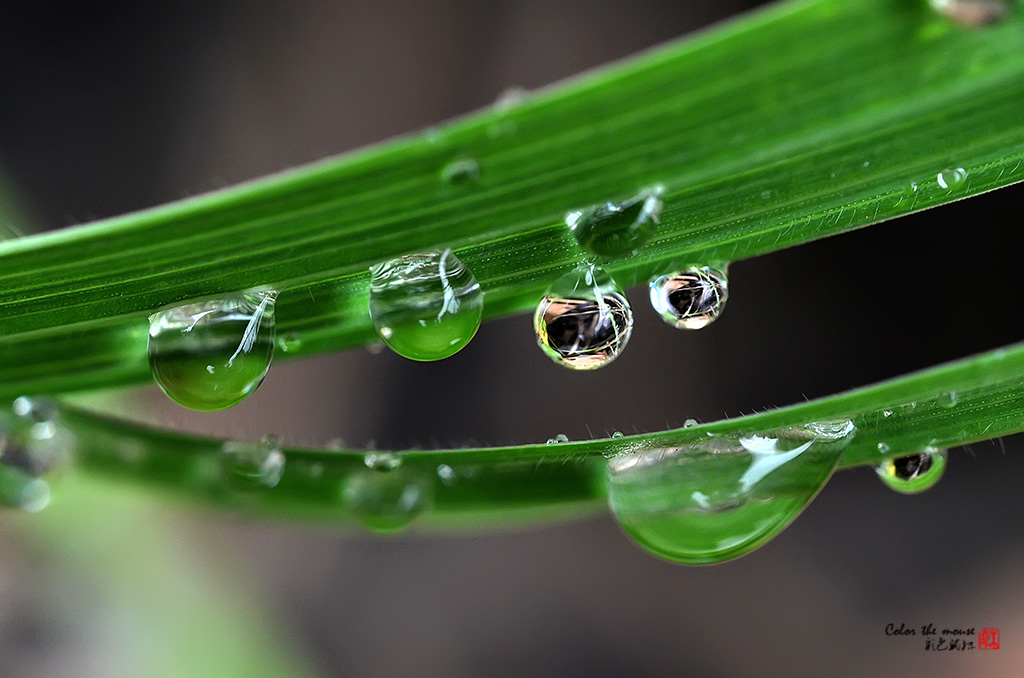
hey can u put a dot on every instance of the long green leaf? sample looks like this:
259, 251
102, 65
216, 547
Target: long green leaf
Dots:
801, 121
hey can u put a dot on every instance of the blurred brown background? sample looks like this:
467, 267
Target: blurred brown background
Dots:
106, 110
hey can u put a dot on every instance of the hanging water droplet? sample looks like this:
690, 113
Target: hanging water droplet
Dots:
584, 321
385, 502
210, 355
913, 473
31, 446
723, 496
382, 461
949, 399
461, 172
951, 178
253, 466
40, 414
971, 13
690, 299
425, 306
618, 229
289, 343
558, 439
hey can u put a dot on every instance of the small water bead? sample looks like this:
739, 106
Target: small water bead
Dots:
951, 178
690, 299
385, 502
971, 13
913, 473
584, 322
210, 355
253, 466
883, 448
722, 496
558, 439
690, 423
425, 306
618, 434
447, 475
289, 343
618, 229
382, 461
461, 172
20, 489
949, 399
39, 414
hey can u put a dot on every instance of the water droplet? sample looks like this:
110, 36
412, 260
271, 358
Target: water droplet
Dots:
558, 439
913, 187
425, 306
210, 355
31, 446
584, 321
447, 475
40, 414
618, 229
690, 423
722, 496
971, 13
618, 434
690, 299
382, 461
253, 466
511, 98
290, 343
951, 178
376, 348
949, 399
887, 413
385, 502
20, 489
461, 172
913, 473
883, 448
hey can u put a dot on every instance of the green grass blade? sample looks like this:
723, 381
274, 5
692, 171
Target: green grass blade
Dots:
977, 399
801, 121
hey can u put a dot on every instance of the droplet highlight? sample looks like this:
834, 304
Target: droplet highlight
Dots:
971, 13
425, 306
210, 355
253, 466
690, 299
616, 229
558, 439
584, 321
951, 178
913, 473
723, 496
461, 172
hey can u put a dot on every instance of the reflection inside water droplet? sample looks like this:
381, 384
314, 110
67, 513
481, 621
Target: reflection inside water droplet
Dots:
690, 299
210, 355
951, 178
253, 466
721, 497
913, 473
425, 306
584, 321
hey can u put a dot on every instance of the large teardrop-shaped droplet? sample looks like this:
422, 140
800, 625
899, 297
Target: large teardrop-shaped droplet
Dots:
210, 355
723, 496
616, 229
913, 473
584, 321
425, 306
690, 299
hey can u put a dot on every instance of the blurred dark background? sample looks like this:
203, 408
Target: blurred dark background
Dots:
114, 108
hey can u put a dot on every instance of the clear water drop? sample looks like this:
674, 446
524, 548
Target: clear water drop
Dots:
461, 172
951, 178
253, 466
722, 496
971, 13
584, 321
887, 413
558, 439
382, 461
690, 423
618, 434
425, 306
385, 502
883, 448
39, 414
616, 229
949, 399
513, 97
22, 490
690, 299
289, 343
210, 355
447, 475
34, 451
913, 473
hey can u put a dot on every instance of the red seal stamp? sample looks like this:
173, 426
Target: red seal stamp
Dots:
988, 639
